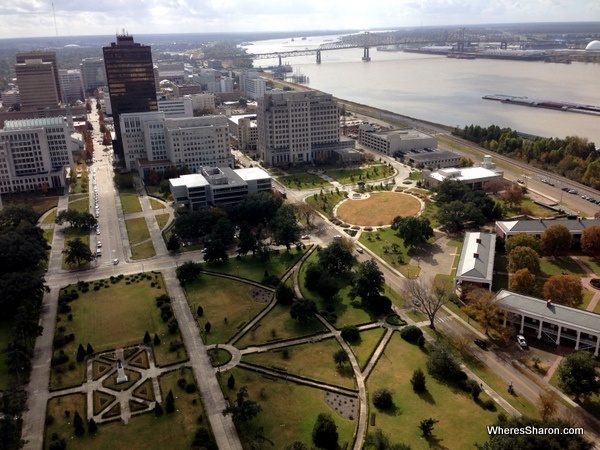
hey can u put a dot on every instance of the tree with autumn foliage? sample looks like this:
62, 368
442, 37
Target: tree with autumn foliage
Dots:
556, 240
481, 306
564, 289
590, 241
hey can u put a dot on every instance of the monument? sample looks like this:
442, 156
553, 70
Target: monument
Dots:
121, 377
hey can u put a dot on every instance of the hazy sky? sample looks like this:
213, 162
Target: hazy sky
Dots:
32, 18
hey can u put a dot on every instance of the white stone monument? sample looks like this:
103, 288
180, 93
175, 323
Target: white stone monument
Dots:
121, 377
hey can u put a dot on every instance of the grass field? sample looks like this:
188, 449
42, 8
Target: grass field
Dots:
130, 202
593, 264
379, 209
325, 203
70, 234
50, 218
143, 250
38, 201
278, 324
303, 180
383, 238
314, 361
155, 204
364, 348
116, 315
461, 421
289, 411
137, 230
250, 268
552, 266
371, 173
227, 305
79, 203
167, 432
162, 220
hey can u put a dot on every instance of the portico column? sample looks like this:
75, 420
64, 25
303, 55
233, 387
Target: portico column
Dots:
540, 329
505, 314
558, 335
522, 323
577, 342
597, 345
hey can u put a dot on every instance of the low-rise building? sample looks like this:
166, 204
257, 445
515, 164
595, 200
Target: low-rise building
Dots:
390, 142
476, 264
437, 159
508, 228
474, 177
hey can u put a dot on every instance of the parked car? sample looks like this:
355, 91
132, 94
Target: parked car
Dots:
115, 261
521, 340
481, 344
359, 250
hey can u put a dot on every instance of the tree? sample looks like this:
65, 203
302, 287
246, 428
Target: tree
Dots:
382, 399
564, 290
556, 240
284, 294
481, 306
431, 296
547, 405
523, 282
286, 230
78, 424
418, 381
89, 350
188, 272
350, 333
426, 426
158, 411
16, 215
244, 409
524, 258
173, 243
303, 310
442, 365
199, 311
415, 231
296, 445
524, 240
216, 251
369, 282
457, 215
92, 426
336, 258
340, 357
156, 339
380, 441
80, 353
577, 374
77, 252
207, 327
147, 338
246, 242
513, 195
325, 434
590, 241
231, 381
170, 402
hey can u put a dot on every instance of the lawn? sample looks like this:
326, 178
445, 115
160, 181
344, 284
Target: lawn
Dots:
114, 316
169, 431
532, 209
143, 250
386, 239
379, 209
70, 234
303, 181
461, 421
415, 175
431, 210
79, 203
250, 268
276, 325
130, 202
314, 361
371, 173
50, 218
137, 230
162, 220
325, 202
289, 410
556, 266
38, 201
593, 264
49, 235
227, 305
364, 348
155, 204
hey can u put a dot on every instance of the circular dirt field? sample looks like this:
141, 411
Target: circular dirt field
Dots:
379, 209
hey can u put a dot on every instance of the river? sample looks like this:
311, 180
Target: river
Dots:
448, 91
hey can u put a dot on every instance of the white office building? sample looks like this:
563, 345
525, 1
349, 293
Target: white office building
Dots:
93, 73
176, 107
72, 85
252, 85
153, 142
298, 127
243, 130
34, 154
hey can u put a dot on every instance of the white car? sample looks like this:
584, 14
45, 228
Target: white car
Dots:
521, 340
115, 261
99, 244
359, 250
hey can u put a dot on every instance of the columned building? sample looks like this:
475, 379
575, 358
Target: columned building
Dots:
545, 319
130, 78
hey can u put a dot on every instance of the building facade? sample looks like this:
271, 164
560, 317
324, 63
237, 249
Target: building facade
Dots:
72, 85
252, 85
93, 73
130, 79
243, 130
43, 57
297, 127
34, 154
37, 85
474, 177
176, 107
390, 142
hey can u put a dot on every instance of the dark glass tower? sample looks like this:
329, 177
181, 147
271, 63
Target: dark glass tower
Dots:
130, 78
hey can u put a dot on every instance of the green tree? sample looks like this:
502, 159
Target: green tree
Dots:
482, 307
325, 434
231, 382
336, 258
524, 240
303, 310
577, 374
92, 426
523, 282
350, 333
216, 251
16, 215
246, 242
340, 357
286, 230
244, 409
173, 243
524, 258
556, 240
426, 426
188, 272
78, 424
442, 365
418, 381
382, 399
170, 402
147, 338
457, 215
89, 350
415, 231
284, 294
80, 353
564, 290
77, 252
369, 282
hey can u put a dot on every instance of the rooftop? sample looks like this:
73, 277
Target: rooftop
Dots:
464, 174
33, 123
477, 257
539, 226
252, 173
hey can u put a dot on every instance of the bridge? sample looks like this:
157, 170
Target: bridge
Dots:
367, 40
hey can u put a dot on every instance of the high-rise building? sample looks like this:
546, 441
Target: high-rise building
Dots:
93, 73
34, 153
37, 86
297, 127
130, 78
72, 85
43, 57
252, 85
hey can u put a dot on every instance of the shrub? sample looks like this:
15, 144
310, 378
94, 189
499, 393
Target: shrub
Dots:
351, 333
411, 333
181, 383
382, 399
172, 326
490, 405
190, 388
418, 381
442, 365
174, 346
156, 339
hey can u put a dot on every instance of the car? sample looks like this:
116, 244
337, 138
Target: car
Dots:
98, 232
359, 250
115, 261
564, 189
520, 181
585, 197
337, 236
572, 191
521, 340
416, 302
481, 344
99, 244
306, 236
550, 183
544, 181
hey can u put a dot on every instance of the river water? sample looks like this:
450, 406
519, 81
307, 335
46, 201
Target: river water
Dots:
448, 91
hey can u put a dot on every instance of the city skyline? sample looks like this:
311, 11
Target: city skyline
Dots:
32, 18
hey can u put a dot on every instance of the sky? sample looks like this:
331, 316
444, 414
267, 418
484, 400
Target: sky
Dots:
35, 18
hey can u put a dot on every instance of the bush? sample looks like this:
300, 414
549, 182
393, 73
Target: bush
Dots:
418, 381
181, 383
442, 365
382, 399
380, 304
174, 346
350, 333
172, 326
58, 360
190, 388
411, 333
490, 405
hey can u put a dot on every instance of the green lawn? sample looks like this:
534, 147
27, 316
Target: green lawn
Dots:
50, 218
461, 421
250, 268
383, 239
130, 202
593, 264
155, 204
114, 316
49, 235
303, 180
143, 250
371, 173
70, 234
276, 325
167, 432
289, 410
431, 210
227, 305
324, 203
161, 220
552, 266
137, 230
79, 203
363, 349
415, 175
314, 361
